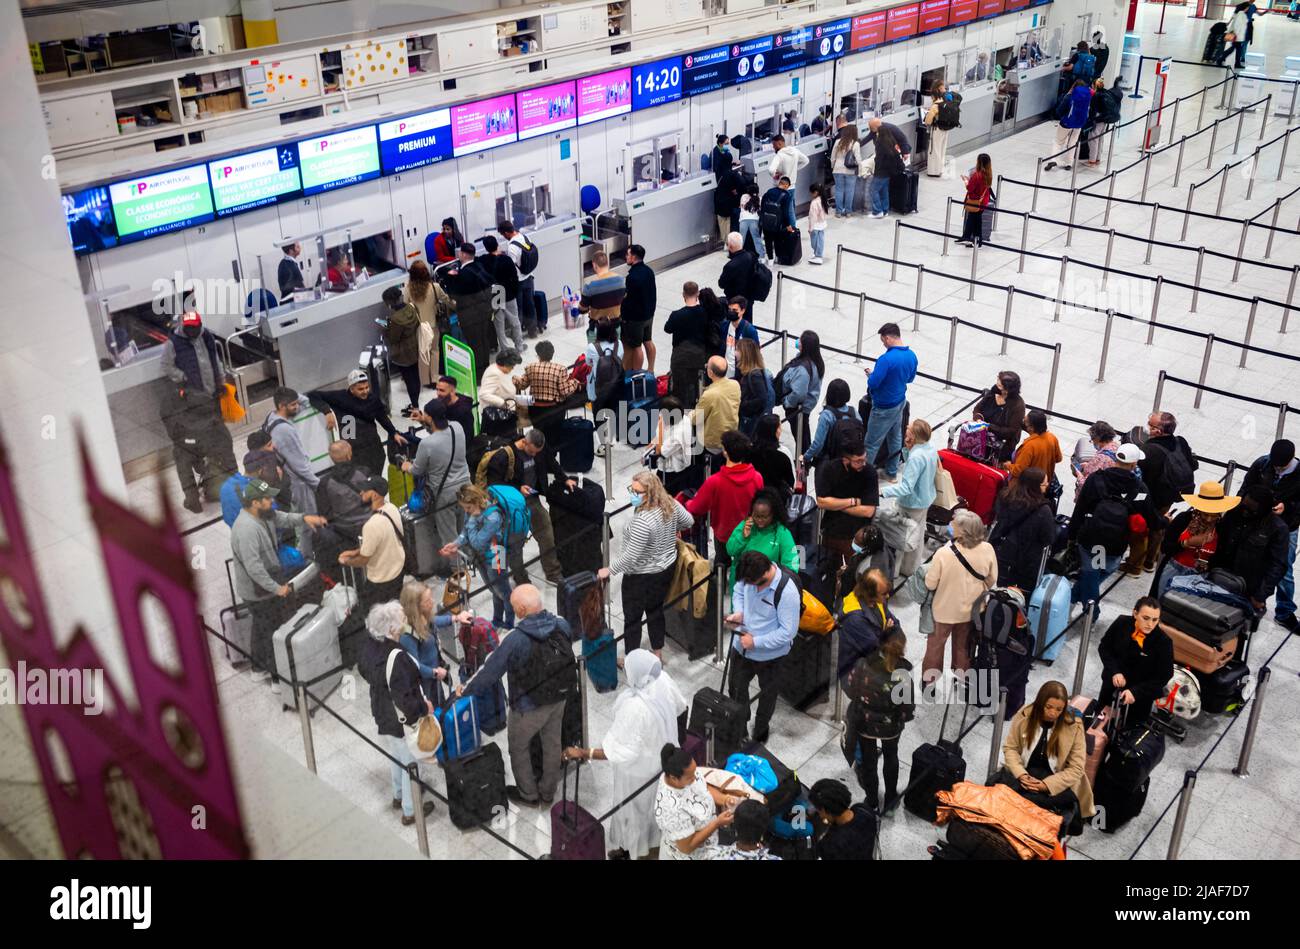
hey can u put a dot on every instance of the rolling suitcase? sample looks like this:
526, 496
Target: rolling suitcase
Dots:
1125, 773
1048, 615
575, 832
1226, 689
720, 719
460, 731
1210, 621
1199, 656
306, 648
801, 511
805, 676
237, 628
789, 248
903, 191
987, 221
572, 592
541, 308
1096, 724
476, 787
695, 635
577, 444
935, 768
421, 536
641, 396
577, 518
976, 483
1214, 42
477, 641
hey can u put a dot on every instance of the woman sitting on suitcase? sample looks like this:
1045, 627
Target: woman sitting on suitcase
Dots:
1137, 661
1043, 757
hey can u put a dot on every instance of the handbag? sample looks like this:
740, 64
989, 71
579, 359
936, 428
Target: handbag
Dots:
424, 738
455, 591
975, 207
945, 492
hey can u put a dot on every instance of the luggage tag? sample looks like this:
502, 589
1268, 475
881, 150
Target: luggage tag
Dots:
498, 558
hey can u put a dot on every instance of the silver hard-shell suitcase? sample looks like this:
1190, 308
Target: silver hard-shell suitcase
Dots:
307, 647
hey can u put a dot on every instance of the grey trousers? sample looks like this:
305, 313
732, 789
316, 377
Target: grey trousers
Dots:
510, 334
907, 563
520, 729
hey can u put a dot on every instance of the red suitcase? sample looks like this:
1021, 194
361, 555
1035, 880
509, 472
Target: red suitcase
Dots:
1096, 721
976, 483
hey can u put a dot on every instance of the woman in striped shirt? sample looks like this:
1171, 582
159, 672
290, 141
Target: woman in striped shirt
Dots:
648, 558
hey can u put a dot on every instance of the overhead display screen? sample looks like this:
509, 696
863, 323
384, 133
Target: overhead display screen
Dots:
155, 204
414, 141
831, 40
706, 70
991, 8
547, 109
339, 159
751, 59
253, 179
868, 30
934, 16
962, 11
483, 124
89, 213
902, 22
604, 96
656, 83
790, 49
1016, 5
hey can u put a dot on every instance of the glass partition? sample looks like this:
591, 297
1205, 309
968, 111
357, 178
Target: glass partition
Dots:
1035, 47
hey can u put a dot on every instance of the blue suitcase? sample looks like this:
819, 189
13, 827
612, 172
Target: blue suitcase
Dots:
460, 731
540, 309
1049, 614
641, 396
490, 709
601, 655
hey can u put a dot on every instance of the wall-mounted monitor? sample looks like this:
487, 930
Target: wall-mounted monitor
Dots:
254, 179
1016, 5
485, 124
89, 213
989, 8
751, 59
656, 83
414, 141
962, 11
790, 50
868, 30
161, 202
902, 22
831, 40
605, 95
706, 70
934, 16
547, 109
338, 159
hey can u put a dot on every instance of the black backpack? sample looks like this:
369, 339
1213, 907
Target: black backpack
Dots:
949, 115
527, 255
1178, 471
550, 672
1107, 525
760, 284
769, 209
609, 370
996, 616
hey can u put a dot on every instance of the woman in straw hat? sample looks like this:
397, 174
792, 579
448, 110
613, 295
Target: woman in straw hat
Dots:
1192, 535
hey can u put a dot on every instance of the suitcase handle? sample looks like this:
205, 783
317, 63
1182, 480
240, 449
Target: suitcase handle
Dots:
564, 787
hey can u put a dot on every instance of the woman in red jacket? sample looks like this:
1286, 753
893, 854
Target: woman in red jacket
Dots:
978, 186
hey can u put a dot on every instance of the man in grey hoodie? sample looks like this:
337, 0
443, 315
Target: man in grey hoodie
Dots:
257, 568
288, 445
440, 461
533, 655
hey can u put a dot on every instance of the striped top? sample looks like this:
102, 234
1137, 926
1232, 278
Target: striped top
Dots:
650, 541
604, 296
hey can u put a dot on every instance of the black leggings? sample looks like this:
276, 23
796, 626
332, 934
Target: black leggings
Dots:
411, 376
971, 228
644, 595
871, 749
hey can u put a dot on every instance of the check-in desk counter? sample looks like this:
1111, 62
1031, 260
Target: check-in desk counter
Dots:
976, 115
814, 146
1039, 91
905, 120
558, 242
673, 221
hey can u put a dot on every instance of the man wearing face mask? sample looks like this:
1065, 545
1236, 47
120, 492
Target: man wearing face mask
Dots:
1253, 544
733, 329
1280, 471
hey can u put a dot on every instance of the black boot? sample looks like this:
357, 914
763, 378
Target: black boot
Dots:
192, 502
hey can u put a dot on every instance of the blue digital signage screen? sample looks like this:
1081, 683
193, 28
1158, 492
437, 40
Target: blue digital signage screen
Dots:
89, 213
254, 179
706, 70
414, 141
656, 83
751, 59
830, 40
790, 50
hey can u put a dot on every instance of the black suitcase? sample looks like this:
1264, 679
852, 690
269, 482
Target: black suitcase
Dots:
696, 636
801, 511
716, 714
903, 191
1117, 805
577, 444
570, 733
577, 518
1214, 42
476, 787
1224, 689
787, 789
805, 677
1131, 756
1209, 621
789, 247
974, 841
540, 309
935, 768
569, 597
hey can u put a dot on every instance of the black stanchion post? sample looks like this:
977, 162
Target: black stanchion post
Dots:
785, 337
1155, 308
1173, 126
1214, 140
974, 268
1200, 112
720, 601
776, 306
1250, 331
1113, 132
304, 721
1080, 667
1110, 246
995, 744
417, 799
1272, 229
1196, 283
1241, 121
1051, 386
1006, 319
1151, 234
1038, 175
1060, 291
1228, 476
1146, 175
916, 316
1286, 141
1282, 410
1254, 172
952, 349
1263, 123
1242, 769
1105, 346
1180, 818
1069, 230
582, 699
1187, 212
947, 227
1110, 192
1205, 368
604, 538
998, 198
1223, 189
862, 315
1160, 391
1178, 166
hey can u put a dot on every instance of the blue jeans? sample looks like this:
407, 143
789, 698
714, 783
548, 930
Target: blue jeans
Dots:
401, 779
846, 188
879, 195
886, 425
1090, 578
818, 241
499, 585
750, 227
1284, 605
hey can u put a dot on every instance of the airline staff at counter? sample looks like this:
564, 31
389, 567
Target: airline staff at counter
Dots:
289, 274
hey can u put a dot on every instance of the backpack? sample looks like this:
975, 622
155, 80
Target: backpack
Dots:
550, 673
1085, 64
769, 210
996, 615
760, 284
527, 255
514, 506
845, 431
1107, 107
949, 114
1107, 526
480, 447
481, 469
1178, 472
609, 370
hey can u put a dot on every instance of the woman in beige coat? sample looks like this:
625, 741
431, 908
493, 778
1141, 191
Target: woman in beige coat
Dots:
959, 574
1044, 753
434, 307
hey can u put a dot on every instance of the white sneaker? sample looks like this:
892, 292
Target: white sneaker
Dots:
877, 214
260, 675
815, 260
275, 687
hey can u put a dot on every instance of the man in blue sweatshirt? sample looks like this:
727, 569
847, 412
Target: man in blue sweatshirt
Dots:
766, 602
537, 656
887, 386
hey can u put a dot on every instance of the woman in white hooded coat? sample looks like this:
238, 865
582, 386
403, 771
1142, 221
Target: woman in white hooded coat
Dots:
645, 719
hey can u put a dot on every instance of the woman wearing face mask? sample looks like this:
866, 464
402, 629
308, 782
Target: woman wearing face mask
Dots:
1193, 535
766, 531
647, 559
1004, 411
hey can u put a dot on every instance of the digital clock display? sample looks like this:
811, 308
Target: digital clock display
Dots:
656, 83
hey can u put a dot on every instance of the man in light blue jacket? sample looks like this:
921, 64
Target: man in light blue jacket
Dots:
766, 605
915, 490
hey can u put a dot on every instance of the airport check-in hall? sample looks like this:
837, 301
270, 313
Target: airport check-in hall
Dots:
631, 431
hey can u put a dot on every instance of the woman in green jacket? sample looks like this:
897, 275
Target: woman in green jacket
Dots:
766, 531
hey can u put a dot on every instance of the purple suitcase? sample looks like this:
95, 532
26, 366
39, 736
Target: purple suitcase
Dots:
575, 833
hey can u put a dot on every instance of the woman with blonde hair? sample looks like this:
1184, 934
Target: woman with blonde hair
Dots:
486, 537
959, 574
647, 559
419, 639
434, 307
1044, 754
757, 394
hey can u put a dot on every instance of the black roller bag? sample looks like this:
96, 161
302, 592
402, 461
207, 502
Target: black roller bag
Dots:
806, 670
715, 713
476, 787
1125, 774
935, 768
903, 191
1210, 621
577, 517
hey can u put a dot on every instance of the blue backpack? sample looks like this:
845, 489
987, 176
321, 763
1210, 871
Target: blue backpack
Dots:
1085, 65
514, 509
231, 504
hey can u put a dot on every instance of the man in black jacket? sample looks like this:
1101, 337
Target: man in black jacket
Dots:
200, 443
737, 277
527, 465
1167, 479
471, 288
1100, 524
505, 301
689, 327
1252, 543
639, 304
1279, 470
726, 195
353, 413
1137, 660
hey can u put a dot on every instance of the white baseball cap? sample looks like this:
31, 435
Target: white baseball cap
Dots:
357, 375
1129, 454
